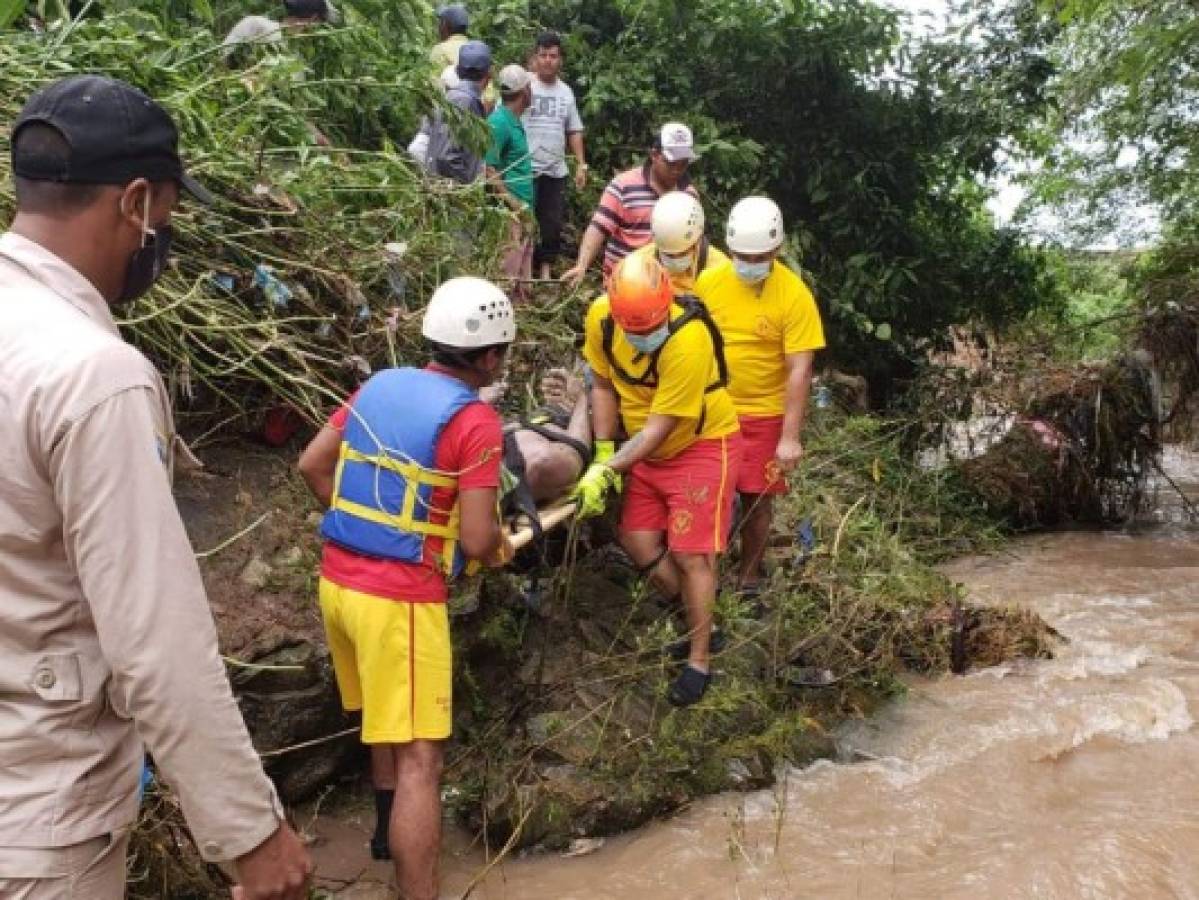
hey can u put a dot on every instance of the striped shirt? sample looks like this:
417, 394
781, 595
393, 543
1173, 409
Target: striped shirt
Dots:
624, 213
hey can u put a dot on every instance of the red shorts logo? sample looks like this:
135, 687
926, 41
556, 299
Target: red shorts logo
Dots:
698, 496
773, 472
681, 521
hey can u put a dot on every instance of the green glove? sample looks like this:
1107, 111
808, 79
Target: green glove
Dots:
602, 451
591, 492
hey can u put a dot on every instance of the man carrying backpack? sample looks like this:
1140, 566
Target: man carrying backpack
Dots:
658, 369
446, 156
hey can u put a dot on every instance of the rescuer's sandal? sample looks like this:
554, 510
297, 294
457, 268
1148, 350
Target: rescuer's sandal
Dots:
689, 688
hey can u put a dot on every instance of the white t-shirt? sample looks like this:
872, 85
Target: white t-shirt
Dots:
550, 117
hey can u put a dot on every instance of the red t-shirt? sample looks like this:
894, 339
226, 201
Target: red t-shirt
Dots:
470, 444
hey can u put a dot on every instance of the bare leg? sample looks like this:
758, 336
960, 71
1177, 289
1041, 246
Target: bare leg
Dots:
416, 818
643, 548
383, 767
755, 535
698, 572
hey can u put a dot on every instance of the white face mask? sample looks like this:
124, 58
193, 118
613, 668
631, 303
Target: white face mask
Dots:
648, 343
752, 272
675, 264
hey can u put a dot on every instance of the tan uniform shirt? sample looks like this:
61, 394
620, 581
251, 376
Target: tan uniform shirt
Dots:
106, 637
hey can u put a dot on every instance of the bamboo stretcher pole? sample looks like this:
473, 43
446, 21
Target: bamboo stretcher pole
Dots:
551, 517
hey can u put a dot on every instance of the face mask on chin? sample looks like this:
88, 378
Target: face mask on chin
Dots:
648, 343
148, 261
752, 272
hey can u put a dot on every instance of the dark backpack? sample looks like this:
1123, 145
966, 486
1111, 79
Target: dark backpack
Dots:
693, 310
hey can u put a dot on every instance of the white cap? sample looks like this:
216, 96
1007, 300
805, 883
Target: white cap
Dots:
514, 78
676, 142
466, 313
755, 226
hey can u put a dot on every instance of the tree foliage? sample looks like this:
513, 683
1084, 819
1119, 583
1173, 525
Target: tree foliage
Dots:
875, 153
823, 107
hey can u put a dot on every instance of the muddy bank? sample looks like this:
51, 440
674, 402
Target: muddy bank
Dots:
561, 727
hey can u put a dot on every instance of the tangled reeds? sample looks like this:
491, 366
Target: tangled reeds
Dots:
1042, 443
315, 262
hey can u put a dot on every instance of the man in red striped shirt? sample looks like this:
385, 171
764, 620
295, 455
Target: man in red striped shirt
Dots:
621, 223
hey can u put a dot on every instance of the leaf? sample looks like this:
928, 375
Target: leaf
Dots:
10, 11
876, 470
882, 331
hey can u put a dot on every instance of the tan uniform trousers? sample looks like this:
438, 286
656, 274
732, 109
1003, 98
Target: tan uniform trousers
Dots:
93, 870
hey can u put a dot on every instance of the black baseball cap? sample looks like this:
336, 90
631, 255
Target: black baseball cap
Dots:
115, 132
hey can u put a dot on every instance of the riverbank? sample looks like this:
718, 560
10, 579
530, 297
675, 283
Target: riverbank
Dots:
562, 733
1062, 778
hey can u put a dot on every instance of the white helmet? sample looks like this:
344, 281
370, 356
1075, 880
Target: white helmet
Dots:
755, 226
678, 222
466, 313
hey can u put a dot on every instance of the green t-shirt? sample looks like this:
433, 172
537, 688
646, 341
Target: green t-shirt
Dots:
509, 153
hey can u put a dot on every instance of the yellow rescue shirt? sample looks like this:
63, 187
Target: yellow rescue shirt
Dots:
686, 369
762, 324
684, 282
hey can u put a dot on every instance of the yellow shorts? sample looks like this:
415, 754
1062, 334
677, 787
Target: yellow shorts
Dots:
393, 661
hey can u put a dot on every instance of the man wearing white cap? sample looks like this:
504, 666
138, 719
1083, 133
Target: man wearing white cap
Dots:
509, 168
623, 221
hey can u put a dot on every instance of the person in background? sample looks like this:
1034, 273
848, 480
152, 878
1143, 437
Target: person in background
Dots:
552, 123
100, 595
657, 368
409, 470
772, 330
418, 147
621, 223
679, 242
298, 14
510, 170
453, 23
445, 155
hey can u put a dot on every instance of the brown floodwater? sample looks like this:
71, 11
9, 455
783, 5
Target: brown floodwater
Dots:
1076, 777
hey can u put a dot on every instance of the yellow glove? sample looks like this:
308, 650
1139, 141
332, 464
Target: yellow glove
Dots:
591, 492
602, 451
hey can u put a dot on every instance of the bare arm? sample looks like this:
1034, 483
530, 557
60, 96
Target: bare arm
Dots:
799, 384
575, 140
605, 409
318, 464
496, 180
589, 249
479, 533
643, 444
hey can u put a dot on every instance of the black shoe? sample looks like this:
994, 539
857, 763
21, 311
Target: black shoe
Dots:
681, 649
379, 849
689, 688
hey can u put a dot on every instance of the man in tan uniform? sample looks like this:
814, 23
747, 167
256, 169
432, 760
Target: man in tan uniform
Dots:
106, 638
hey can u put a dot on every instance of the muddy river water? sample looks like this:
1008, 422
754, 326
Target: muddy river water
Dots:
1076, 777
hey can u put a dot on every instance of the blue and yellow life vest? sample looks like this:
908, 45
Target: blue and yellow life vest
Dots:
383, 489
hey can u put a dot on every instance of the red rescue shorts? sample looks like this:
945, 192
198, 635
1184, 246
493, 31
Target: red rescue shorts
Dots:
689, 496
759, 471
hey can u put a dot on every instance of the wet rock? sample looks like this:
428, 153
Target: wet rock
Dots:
256, 574
291, 558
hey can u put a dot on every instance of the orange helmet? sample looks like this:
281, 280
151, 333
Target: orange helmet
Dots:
640, 293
